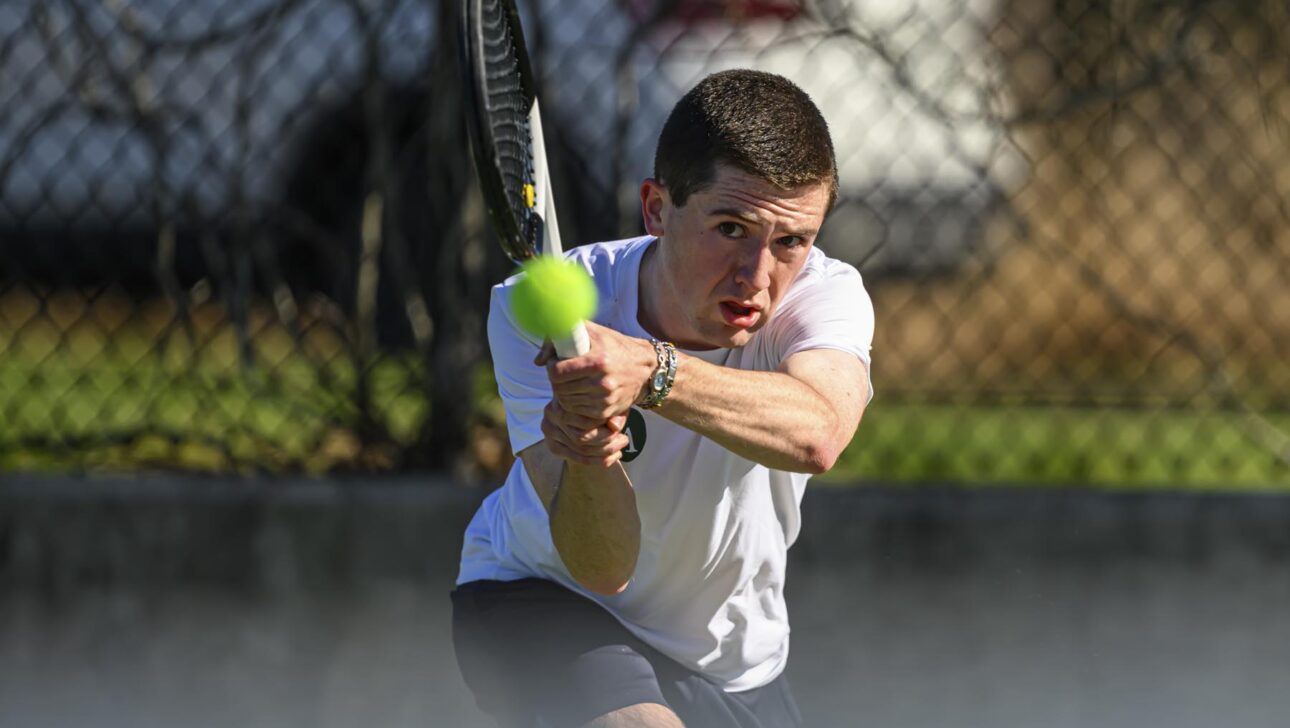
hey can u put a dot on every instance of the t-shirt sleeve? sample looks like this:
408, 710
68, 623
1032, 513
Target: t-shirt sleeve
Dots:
524, 386
832, 310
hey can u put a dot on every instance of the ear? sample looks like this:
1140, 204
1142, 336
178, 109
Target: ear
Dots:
654, 201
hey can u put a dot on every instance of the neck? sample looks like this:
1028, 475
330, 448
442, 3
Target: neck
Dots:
654, 292
648, 292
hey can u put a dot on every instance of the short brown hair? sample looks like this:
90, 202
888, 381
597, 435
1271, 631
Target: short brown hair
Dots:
757, 122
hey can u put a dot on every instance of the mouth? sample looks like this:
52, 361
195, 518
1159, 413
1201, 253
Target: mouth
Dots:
740, 315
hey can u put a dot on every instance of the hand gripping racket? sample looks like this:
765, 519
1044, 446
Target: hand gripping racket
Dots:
506, 139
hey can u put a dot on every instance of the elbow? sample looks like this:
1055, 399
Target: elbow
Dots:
602, 566
826, 445
818, 462
821, 467
821, 456
603, 576
605, 585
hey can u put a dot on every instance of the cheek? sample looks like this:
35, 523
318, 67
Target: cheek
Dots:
707, 265
782, 278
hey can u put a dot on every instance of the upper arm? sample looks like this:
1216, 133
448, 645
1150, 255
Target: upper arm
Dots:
841, 379
822, 339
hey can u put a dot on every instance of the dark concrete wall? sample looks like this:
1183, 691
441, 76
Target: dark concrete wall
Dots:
166, 601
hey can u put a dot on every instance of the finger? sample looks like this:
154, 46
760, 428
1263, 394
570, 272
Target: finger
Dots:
583, 397
579, 433
546, 354
588, 403
591, 414
587, 366
617, 422
596, 443
615, 444
594, 413
561, 450
589, 446
573, 419
603, 432
553, 425
604, 390
560, 443
601, 444
561, 417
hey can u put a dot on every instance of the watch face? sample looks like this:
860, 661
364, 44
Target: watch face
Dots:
659, 378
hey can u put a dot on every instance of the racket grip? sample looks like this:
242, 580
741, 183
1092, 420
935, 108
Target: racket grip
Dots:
576, 344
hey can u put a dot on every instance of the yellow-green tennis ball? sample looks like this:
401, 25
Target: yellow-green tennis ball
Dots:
552, 296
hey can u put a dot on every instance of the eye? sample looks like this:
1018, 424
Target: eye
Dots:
731, 229
792, 241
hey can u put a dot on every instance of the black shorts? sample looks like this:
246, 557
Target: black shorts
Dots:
538, 655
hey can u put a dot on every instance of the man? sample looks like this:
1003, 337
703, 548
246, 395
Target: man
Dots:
630, 571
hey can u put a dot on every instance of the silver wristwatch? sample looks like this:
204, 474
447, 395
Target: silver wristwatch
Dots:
660, 385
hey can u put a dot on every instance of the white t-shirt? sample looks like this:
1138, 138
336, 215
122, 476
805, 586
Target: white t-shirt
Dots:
708, 590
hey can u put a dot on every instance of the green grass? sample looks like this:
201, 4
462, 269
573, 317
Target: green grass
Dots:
296, 416
1108, 448
88, 396
77, 402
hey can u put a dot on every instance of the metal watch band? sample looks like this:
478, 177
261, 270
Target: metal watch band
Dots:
660, 384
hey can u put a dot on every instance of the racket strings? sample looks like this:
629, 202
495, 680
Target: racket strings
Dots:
508, 112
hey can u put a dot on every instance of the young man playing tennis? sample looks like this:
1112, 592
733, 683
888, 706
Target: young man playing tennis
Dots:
630, 571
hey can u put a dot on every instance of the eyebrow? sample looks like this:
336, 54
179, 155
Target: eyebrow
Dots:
748, 217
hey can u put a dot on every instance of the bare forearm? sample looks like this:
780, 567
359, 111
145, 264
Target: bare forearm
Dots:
596, 527
770, 418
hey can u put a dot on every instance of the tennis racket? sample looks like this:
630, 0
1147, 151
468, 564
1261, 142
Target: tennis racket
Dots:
506, 139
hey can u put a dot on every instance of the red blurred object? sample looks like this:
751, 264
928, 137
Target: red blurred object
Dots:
691, 10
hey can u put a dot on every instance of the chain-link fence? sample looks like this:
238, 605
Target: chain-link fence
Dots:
245, 236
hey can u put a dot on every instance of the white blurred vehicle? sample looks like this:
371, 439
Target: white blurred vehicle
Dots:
212, 115
257, 113
906, 86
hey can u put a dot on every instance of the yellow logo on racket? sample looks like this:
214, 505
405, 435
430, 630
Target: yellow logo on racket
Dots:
530, 195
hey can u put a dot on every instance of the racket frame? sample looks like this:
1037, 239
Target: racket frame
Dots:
485, 153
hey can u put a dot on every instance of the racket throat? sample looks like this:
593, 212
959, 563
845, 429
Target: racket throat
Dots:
548, 231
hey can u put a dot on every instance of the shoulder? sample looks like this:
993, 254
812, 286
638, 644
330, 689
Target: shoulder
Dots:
823, 276
827, 307
601, 260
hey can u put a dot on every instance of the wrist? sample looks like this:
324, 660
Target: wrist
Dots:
647, 361
663, 376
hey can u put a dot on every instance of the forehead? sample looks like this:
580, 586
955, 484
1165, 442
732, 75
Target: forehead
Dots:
733, 189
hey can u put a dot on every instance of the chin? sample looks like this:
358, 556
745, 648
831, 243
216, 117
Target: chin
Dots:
720, 335
732, 340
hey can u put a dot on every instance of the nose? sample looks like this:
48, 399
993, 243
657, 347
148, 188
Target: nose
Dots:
754, 267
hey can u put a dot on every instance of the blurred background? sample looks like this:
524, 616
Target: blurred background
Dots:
246, 404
